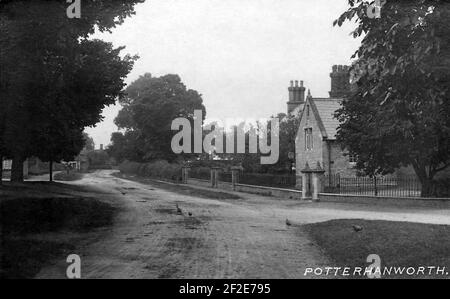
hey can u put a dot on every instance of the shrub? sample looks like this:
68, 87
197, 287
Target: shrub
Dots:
129, 167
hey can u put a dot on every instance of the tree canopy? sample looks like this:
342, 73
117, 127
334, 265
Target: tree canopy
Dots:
54, 80
149, 108
399, 113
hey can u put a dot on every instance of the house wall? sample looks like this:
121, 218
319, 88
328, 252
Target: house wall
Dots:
334, 157
7, 164
311, 156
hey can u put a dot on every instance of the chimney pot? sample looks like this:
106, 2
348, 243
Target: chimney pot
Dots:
292, 83
296, 83
301, 83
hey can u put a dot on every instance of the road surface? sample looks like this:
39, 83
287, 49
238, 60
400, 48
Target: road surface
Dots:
234, 238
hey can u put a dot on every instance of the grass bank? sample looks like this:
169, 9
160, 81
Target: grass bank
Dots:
399, 244
39, 221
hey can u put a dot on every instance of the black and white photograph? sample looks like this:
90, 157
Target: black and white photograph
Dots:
223, 147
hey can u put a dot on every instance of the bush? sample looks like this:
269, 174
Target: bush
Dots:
129, 167
201, 172
160, 169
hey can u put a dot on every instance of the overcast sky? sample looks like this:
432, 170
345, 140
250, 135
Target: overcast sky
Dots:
239, 54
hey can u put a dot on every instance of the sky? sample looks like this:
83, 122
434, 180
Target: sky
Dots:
239, 54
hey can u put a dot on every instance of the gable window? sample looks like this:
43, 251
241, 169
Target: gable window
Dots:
7, 164
308, 139
307, 111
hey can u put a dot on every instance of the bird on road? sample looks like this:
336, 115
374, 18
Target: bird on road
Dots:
288, 223
357, 228
179, 211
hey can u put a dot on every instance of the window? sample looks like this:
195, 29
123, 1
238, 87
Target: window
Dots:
307, 111
7, 164
308, 139
352, 159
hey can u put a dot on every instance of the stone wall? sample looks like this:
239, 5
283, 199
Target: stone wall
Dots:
334, 157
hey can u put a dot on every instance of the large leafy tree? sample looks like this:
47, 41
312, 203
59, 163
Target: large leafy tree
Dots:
149, 108
54, 81
126, 146
399, 113
90, 84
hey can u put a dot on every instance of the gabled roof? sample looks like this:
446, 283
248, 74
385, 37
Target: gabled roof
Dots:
324, 109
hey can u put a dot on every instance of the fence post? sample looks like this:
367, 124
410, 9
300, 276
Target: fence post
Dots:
185, 173
235, 176
215, 176
318, 172
375, 185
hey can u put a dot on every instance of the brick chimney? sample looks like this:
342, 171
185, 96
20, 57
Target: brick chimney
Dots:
296, 95
340, 81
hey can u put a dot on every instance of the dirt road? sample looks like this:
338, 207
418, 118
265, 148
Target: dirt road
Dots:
243, 238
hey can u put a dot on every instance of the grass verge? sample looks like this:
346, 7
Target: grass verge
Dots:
180, 189
399, 244
71, 176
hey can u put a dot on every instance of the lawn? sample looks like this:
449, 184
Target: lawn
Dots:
401, 244
38, 222
71, 176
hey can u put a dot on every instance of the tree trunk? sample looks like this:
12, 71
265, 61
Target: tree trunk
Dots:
51, 170
428, 189
1, 170
17, 170
426, 180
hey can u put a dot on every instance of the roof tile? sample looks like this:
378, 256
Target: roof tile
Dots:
326, 109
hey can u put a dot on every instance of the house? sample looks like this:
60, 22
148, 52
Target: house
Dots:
316, 136
82, 161
7, 164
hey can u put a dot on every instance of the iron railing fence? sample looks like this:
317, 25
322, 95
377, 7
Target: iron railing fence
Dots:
373, 186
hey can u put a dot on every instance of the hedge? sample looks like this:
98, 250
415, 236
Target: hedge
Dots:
158, 169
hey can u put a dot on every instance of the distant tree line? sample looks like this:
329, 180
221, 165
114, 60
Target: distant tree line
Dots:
150, 106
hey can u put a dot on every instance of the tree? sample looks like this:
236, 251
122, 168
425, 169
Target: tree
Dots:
287, 133
88, 142
399, 113
53, 77
126, 146
92, 83
288, 126
152, 103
